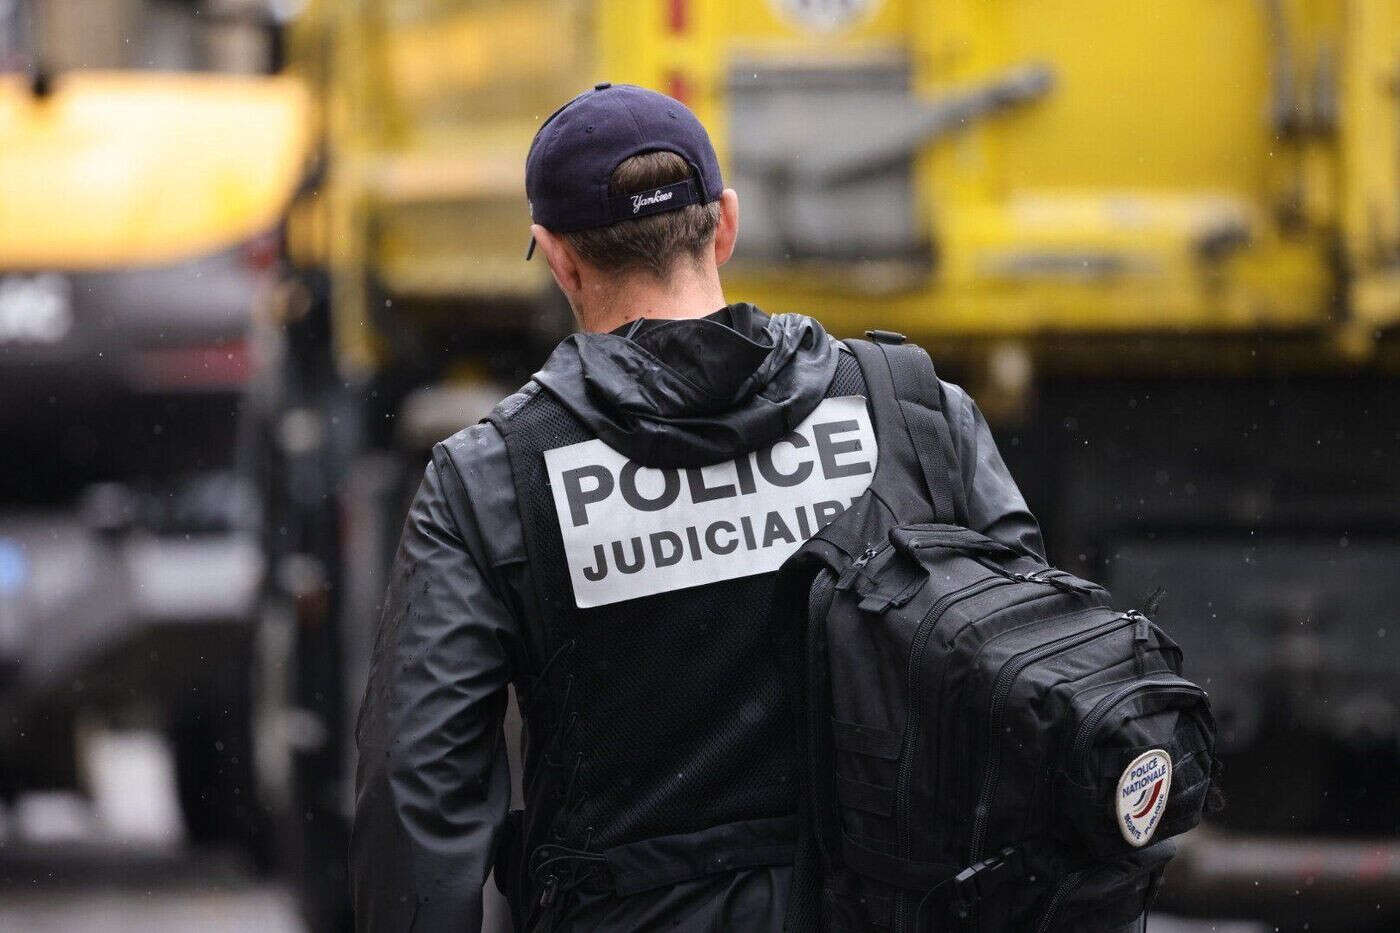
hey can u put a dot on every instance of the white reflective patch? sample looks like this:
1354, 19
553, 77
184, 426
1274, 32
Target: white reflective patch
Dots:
633, 531
1141, 797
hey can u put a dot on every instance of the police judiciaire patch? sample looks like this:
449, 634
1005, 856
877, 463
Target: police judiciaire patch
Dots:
632, 531
1142, 795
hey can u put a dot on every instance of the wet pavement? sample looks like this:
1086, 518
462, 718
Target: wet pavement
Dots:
77, 886
255, 909
77, 889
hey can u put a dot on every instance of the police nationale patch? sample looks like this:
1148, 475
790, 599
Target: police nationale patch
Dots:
1142, 796
632, 531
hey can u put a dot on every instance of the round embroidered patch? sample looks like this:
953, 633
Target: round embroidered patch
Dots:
1142, 795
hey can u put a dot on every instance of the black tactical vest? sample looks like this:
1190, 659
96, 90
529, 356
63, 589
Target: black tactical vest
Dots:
660, 742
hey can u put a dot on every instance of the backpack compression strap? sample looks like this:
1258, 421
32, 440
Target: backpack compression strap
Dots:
911, 429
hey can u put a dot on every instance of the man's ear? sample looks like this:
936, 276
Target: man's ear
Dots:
727, 230
562, 261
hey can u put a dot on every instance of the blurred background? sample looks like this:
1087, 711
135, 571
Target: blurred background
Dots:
256, 256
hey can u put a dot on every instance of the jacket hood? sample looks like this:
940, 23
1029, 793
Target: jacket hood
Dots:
697, 391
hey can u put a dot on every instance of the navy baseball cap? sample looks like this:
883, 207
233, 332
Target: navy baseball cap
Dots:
572, 158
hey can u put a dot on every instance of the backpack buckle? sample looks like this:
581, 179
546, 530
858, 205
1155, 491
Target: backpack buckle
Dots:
886, 336
977, 881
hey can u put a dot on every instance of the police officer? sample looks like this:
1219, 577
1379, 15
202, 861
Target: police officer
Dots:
607, 541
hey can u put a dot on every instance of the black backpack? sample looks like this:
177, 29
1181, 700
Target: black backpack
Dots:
988, 745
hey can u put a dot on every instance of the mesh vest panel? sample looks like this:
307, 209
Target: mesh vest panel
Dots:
656, 716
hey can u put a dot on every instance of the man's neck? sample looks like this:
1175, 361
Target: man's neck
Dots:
684, 296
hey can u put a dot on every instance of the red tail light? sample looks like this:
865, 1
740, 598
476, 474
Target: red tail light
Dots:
194, 369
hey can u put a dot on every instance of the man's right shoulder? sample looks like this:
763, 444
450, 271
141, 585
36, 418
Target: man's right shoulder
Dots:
481, 460
508, 407
484, 440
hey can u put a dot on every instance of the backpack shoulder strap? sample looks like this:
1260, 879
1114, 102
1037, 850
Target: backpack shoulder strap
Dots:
912, 431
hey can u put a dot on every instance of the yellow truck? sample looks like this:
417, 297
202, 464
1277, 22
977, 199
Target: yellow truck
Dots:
960, 170
1160, 242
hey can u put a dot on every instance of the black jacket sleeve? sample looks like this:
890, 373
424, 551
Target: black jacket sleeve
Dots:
432, 782
995, 505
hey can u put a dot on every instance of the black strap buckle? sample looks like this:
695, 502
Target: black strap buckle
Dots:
978, 881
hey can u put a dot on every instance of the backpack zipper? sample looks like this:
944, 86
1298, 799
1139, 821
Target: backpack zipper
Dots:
868, 553
914, 679
1001, 688
1062, 891
847, 576
1102, 707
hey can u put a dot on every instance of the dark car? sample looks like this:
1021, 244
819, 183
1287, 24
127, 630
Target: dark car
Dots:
129, 566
